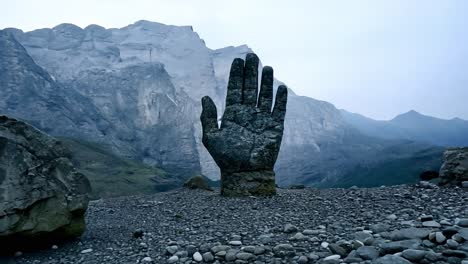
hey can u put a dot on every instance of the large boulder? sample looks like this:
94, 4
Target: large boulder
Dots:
454, 170
43, 198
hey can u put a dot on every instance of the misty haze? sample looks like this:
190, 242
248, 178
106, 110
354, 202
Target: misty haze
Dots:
236, 132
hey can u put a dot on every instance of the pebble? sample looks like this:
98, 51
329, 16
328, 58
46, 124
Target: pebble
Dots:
173, 259
433, 224
332, 257
197, 257
413, 254
218, 230
440, 238
148, 259
235, 243
208, 257
289, 228
89, 250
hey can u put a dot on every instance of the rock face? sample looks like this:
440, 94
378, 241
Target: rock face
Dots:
138, 89
455, 167
42, 197
246, 145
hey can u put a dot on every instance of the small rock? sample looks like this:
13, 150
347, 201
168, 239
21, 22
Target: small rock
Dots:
138, 233
197, 257
324, 244
462, 222
289, 228
208, 257
173, 259
171, 250
335, 249
413, 254
425, 218
391, 259
452, 244
302, 260
440, 238
148, 260
367, 253
235, 243
432, 224
332, 257
245, 256
392, 217
298, 236
89, 250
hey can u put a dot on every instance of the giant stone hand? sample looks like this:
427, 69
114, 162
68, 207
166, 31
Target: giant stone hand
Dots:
246, 145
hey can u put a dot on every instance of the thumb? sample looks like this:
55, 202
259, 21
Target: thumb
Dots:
209, 116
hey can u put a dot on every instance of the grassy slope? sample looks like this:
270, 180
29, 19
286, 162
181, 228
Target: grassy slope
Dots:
395, 170
111, 175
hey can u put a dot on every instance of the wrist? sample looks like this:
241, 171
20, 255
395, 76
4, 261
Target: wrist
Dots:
244, 183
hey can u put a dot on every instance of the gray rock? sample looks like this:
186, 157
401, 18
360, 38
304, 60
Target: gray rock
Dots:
173, 259
413, 254
197, 257
454, 170
367, 253
463, 233
283, 250
245, 256
398, 246
409, 233
432, 224
171, 250
379, 228
208, 257
231, 255
463, 222
440, 238
391, 259
452, 244
364, 237
289, 228
43, 198
246, 145
335, 249
455, 253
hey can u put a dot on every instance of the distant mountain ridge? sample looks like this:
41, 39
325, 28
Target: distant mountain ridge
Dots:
139, 87
415, 126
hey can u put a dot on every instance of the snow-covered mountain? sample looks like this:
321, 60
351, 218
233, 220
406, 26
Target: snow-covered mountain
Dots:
146, 81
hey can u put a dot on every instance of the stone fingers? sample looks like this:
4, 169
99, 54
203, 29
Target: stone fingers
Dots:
279, 111
250, 89
209, 116
236, 82
265, 99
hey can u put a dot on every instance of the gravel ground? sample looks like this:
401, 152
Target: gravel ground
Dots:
418, 223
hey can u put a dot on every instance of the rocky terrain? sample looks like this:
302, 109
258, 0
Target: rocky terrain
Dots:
141, 85
400, 224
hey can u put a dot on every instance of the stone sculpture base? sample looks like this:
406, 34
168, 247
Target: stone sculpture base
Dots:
258, 183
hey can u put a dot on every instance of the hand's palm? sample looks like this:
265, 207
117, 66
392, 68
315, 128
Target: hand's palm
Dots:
250, 134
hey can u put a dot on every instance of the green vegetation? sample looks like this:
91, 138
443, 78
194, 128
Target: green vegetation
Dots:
393, 171
111, 175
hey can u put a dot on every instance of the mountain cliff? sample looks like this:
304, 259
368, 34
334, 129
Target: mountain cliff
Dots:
142, 85
413, 126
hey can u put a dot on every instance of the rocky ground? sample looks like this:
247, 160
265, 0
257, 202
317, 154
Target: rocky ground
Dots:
401, 224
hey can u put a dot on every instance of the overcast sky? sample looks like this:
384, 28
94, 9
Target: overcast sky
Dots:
374, 57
